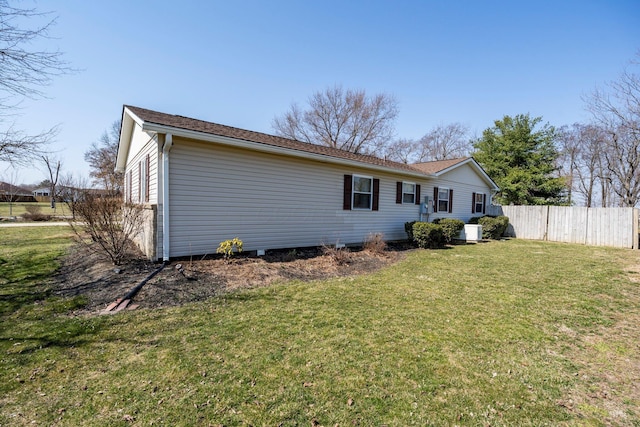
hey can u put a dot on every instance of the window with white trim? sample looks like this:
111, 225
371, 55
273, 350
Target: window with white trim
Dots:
479, 203
127, 187
142, 185
443, 199
362, 192
408, 192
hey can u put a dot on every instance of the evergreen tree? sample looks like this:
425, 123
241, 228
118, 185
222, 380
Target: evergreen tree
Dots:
522, 160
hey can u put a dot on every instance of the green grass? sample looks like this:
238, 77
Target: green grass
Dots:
471, 335
19, 208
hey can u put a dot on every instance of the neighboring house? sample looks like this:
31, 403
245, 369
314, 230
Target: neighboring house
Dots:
12, 193
42, 194
202, 183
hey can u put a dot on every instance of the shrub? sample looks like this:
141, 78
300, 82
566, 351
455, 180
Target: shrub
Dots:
108, 222
451, 228
428, 235
408, 228
493, 227
340, 256
474, 220
228, 247
33, 213
375, 243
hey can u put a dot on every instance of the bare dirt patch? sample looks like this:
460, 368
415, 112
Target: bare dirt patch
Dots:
188, 280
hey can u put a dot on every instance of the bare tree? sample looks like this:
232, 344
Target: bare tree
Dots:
53, 168
102, 159
10, 189
581, 162
445, 142
402, 150
569, 148
21, 149
24, 71
349, 120
617, 111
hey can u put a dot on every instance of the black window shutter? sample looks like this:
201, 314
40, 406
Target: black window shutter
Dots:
473, 202
346, 201
398, 192
435, 199
450, 201
417, 194
484, 203
376, 194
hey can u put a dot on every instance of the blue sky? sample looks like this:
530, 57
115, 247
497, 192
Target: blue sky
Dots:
241, 63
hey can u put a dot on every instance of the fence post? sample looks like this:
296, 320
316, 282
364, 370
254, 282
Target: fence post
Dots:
636, 218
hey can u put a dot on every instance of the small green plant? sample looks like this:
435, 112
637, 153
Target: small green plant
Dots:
291, 255
451, 228
228, 247
428, 235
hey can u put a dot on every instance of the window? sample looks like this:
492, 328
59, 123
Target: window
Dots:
478, 203
127, 185
143, 180
362, 192
139, 198
443, 199
408, 193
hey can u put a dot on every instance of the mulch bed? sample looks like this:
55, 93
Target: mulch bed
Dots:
182, 281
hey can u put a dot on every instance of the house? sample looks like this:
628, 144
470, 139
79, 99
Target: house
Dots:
202, 183
12, 193
42, 194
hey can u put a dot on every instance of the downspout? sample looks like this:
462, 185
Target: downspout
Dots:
168, 143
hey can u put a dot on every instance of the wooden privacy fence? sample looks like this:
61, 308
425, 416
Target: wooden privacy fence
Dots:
616, 227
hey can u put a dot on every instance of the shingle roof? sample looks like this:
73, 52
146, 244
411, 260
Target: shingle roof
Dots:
187, 123
181, 122
6, 188
438, 166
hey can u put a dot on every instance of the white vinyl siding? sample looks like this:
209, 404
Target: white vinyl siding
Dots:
269, 201
464, 181
143, 146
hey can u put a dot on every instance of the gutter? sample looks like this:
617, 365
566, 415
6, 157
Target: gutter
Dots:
168, 143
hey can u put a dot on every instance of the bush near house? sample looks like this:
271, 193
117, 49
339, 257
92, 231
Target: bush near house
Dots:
408, 228
428, 235
493, 227
451, 228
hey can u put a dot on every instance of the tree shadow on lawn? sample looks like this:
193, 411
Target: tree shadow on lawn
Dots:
13, 297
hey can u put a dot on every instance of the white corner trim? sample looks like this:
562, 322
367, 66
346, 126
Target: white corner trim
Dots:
168, 143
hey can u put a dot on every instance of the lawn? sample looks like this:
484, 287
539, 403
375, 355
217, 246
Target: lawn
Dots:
503, 333
19, 208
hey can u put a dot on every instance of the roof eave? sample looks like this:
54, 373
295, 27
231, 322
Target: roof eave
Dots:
273, 149
129, 119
